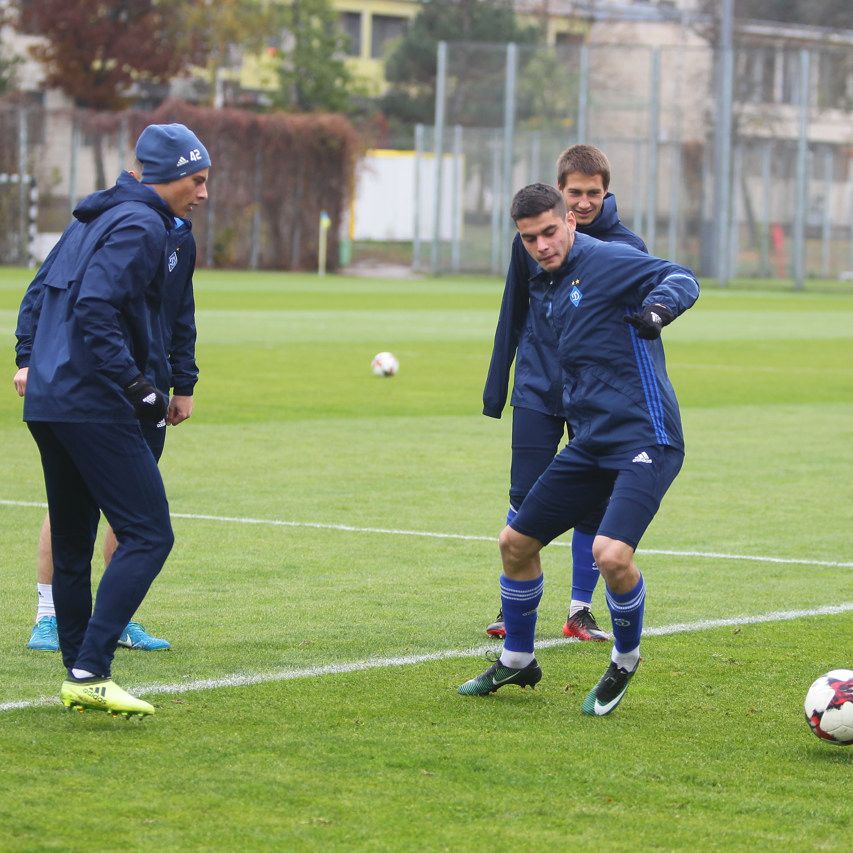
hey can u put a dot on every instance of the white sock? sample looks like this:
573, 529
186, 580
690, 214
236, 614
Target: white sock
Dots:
578, 605
45, 601
626, 660
516, 660
82, 673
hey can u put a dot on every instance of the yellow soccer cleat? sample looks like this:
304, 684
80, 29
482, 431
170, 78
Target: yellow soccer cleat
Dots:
102, 694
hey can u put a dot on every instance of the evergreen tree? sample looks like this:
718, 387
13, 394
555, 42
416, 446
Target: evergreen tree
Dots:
313, 74
411, 67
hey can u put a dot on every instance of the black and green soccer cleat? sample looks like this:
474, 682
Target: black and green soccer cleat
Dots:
608, 693
498, 675
102, 694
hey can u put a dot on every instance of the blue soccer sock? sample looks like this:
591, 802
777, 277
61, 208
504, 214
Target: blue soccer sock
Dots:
584, 571
519, 600
626, 613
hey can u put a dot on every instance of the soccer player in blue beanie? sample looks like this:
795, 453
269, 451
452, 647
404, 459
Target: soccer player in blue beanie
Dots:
91, 339
538, 419
607, 304
179, 332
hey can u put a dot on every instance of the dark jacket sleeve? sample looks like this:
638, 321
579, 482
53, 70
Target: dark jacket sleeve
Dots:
183, 337
513, 313
676, 289
118, 274
28, 315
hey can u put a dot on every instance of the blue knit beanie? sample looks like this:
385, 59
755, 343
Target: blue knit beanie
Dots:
169, 152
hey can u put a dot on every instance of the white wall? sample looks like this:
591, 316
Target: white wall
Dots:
384, 205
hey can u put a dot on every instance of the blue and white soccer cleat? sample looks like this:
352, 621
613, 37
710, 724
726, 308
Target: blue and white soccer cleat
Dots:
44, 637
136, 637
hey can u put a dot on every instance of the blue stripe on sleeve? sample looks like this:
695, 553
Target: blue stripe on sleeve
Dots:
650, 388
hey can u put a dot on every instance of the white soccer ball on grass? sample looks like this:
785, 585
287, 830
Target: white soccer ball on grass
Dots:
829, 707
384, 364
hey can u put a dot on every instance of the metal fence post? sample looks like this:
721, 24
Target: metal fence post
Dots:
456, 200
509, 134
637, 224
850, 220
535, 173
801, 175
766, 209
734, 221
23, 184
654, 134
495, 218
583, 93
416, 191
724, 149
826, 212
674, 202
438, 146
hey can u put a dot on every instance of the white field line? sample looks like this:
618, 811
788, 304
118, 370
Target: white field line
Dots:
245, 680
390, 531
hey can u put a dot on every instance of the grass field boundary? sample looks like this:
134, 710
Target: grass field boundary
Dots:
250, 679
390, 531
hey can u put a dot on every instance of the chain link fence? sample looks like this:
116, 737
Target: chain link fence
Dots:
736, 163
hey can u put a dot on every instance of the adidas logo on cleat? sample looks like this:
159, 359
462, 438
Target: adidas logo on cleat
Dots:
98, 694
643, 457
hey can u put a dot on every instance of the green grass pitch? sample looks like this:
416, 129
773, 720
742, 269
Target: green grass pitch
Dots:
309, 701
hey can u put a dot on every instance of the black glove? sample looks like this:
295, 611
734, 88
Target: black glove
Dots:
651, 321
149, 404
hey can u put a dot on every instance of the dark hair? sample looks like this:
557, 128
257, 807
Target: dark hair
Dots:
535, 199
586, 159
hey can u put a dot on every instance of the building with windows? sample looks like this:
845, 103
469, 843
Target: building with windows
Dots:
372, 27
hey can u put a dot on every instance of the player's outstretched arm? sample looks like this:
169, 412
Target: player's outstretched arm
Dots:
676, 290
650, 321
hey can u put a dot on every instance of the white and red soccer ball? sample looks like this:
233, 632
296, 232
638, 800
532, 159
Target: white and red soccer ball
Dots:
829, 707
384, 364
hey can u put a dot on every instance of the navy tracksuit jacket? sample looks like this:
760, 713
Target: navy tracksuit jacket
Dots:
538, 417
617, 394
90, 322
175, 333
538, 382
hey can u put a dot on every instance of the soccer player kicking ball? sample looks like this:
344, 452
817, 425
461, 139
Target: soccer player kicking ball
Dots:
608, 304
526, 336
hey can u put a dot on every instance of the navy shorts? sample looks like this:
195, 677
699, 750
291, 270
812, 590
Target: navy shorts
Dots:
536, 438
577, 481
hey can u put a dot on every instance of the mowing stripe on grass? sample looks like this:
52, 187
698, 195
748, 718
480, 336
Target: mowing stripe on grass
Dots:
390, 531
247, 680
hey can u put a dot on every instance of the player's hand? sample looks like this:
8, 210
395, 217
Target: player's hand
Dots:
649, 323
20, 380
149, 404
180, 408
